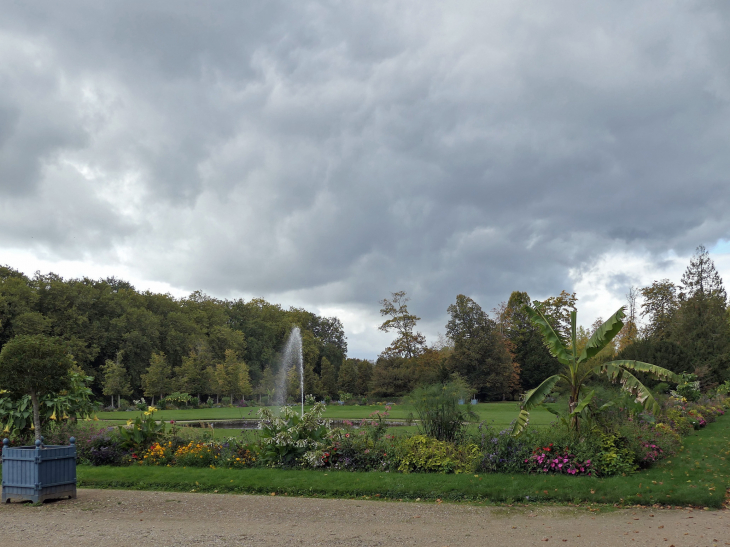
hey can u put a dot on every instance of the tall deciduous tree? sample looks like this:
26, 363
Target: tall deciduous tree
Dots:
156, 381
328, 378
536, 363
408, 343
660, 304
34, 365
116, 379
480, 355
347, 377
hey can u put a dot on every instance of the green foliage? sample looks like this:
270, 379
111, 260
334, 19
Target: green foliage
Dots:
615, 458
429, 455
408, 343
438, 409
689, 387
480, 354
34, 365
286, 438
142, 431
578, 369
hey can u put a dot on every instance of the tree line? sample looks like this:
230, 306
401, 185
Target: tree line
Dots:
682, 327
136, 343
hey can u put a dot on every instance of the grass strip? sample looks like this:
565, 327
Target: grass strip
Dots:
501, 414
698, 475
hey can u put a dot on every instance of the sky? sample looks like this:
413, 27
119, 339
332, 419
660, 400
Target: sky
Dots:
326, 154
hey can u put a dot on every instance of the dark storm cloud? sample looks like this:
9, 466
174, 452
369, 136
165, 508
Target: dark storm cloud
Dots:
340, 151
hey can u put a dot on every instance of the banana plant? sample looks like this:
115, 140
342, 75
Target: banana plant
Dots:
578, 368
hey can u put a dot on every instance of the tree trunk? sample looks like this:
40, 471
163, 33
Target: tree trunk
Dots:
112, 402
119, 402
36, 415
153, 401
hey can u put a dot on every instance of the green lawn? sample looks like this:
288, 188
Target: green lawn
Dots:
500, 414
699, 475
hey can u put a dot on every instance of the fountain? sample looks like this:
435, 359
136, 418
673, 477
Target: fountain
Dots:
292, 357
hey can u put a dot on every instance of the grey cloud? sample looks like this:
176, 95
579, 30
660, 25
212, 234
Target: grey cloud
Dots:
340, 151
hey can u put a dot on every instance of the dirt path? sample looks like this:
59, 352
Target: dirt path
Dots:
119, 517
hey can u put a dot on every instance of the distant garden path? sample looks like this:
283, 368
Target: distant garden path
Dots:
121, 517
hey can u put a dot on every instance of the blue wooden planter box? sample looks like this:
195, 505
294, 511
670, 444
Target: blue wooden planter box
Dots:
38, 473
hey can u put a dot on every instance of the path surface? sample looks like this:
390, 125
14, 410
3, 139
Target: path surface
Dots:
128, 518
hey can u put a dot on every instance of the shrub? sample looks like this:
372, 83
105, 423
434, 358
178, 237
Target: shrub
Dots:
614, 458
438, 409
426, 454
285, 439
503, 453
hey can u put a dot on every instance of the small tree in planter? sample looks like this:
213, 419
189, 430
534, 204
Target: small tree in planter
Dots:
34, 365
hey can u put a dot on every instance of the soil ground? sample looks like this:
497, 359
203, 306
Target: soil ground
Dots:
128, 518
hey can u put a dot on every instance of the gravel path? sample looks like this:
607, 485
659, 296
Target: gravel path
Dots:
128, 518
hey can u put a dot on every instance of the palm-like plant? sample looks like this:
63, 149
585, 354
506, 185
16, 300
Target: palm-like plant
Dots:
578, 368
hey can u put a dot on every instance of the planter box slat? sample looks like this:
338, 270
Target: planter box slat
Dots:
38, 473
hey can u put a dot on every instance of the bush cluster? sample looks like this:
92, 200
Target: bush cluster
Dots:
617, 442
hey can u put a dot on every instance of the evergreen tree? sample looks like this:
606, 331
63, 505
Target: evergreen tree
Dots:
700, 326
156, 381
116, 380
701, 278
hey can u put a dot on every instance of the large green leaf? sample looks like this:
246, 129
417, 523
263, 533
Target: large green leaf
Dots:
533, 398
584, 402
552, 340
631, 383
639, 366
603, 335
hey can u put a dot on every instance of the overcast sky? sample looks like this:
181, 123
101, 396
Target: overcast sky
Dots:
326, 154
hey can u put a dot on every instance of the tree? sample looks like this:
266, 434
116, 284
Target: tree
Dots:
191, 375
630, 332
267, 384
557, 310
701, 278
328, 378
480, 355
156, 381
364, 376
660, 304
700, 323
116, 380
347, 377
578, 368
528, 347
408, 343
34, 365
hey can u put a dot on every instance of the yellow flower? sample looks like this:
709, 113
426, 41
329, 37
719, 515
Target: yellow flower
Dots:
151, 409
130, 422
53, 416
